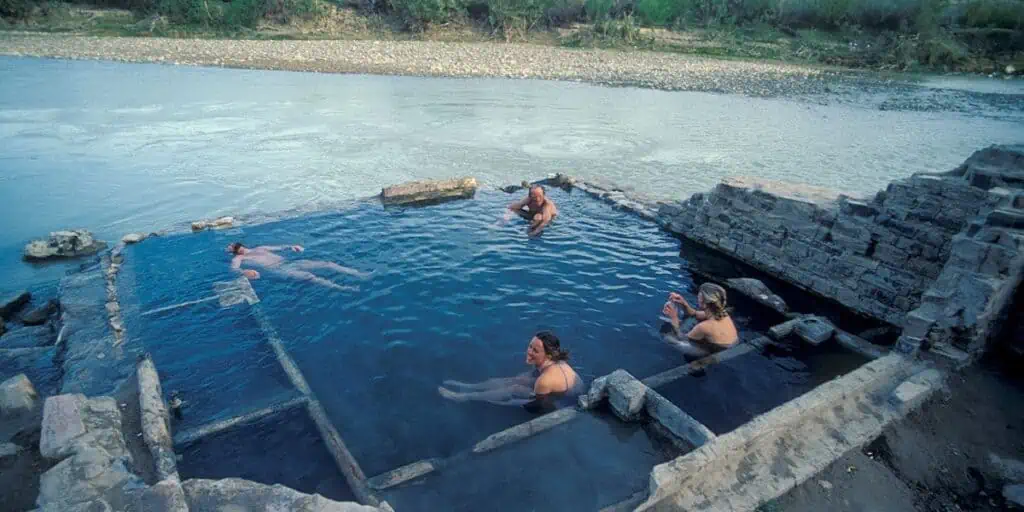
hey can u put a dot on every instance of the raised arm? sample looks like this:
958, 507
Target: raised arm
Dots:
687, 309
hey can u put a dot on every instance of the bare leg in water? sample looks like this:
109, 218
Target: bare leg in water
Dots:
306, 276
516, 394
502, 382
688, 348
328, 265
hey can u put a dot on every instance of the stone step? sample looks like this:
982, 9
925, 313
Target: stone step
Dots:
949, 353
1007, 217
741, 470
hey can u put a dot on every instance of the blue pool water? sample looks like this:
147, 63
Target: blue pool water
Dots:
283, 449
726, 395
454, 294
589, 463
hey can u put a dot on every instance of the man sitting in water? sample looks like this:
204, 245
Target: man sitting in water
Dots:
714, 331
536, 208
552, 383
264, 256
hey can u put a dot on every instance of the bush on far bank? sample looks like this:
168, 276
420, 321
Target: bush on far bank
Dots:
16, 9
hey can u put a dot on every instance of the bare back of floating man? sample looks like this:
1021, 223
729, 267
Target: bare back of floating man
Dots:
266, 257
537, 208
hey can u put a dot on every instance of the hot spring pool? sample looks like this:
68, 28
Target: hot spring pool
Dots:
453, 294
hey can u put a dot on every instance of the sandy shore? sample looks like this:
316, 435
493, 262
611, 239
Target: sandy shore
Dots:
420, 58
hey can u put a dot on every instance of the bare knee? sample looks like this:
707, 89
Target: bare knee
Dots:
538, 218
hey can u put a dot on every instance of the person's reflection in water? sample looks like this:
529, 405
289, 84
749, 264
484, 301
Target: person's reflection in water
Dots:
551, 385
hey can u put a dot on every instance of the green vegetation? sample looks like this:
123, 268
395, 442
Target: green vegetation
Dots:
970, 35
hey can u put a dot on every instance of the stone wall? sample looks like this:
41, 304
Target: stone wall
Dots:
875, 257
968, 303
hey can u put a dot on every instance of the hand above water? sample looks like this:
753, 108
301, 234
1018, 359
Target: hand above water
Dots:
672, 313
251, 274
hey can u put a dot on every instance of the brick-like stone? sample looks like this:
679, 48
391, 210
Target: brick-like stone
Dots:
626, 395
814, 330
890, 254
17, 396
62, 424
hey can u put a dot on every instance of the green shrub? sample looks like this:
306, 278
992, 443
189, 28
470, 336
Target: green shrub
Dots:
659, 12
239, 13
417, 14
562, 12
994, 14
16, 9
516, 17
598, 10
624, 31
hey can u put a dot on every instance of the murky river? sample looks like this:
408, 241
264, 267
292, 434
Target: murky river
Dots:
127, 147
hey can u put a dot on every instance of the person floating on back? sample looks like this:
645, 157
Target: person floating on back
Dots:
714, 331
265, 256
552, 383
535, 208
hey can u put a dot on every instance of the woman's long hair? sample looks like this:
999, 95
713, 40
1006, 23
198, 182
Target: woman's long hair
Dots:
714, 300
552, 347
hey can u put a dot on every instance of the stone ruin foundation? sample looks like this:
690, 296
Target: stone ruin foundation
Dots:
938, 257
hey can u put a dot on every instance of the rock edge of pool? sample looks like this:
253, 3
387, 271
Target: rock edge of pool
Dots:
932, 265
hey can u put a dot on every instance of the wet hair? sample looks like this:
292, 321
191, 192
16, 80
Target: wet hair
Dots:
714, 300
552, 347
235, 246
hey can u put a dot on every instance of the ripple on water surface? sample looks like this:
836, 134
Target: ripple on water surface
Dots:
454, 294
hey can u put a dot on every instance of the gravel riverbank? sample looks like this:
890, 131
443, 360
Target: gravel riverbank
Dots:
423, 58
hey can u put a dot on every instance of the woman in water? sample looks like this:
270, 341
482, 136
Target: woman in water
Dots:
714, 331
551, 385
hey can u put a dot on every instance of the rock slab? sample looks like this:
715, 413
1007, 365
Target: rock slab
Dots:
237, 494
626, 395
8, 450
1014, 494
62, 425
759, 292
94, 469
155, 420
133, 238
428, 192
17, 396
39, 315
91, 474
28, 337
63, 244
1008, 470
814, 330
12, 304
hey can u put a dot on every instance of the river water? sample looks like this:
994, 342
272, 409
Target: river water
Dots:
117, 148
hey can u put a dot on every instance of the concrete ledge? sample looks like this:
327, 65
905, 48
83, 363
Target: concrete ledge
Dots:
859, 345
668, 376
190, 436
156, 421
524, 430
780, 449
428, 192
679, 424
403, 474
